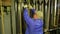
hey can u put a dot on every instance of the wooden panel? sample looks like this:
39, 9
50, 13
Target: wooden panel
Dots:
5, 2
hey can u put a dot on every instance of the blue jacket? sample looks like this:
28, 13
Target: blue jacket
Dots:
34, 26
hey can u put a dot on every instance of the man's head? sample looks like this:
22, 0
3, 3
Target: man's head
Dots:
38, 15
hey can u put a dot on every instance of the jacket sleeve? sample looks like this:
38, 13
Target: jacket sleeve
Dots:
27, 17
33, 11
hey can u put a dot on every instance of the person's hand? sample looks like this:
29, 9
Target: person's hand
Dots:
30, 7
25, 6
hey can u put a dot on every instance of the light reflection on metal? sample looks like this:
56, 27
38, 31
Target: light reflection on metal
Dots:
55, 13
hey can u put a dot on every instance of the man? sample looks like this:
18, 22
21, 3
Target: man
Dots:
35, 24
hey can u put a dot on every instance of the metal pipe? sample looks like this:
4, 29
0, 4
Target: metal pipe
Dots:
2, 19
55, 24
13, 17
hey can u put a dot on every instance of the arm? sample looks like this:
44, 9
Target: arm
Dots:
27, 17
33, 10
